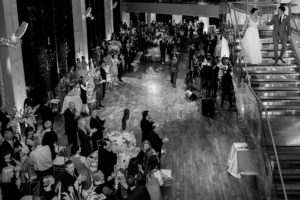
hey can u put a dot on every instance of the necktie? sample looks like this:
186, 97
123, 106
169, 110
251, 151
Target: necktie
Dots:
280, 20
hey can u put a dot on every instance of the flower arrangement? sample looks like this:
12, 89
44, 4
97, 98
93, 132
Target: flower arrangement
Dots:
26, 115
122, 139
114, 47
91, 195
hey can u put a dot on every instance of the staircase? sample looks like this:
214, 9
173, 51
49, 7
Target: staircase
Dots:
278, 87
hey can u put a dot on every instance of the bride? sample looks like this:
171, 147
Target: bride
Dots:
127, 125
251, 42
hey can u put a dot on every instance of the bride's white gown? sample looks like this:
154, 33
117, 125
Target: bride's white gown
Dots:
251, 43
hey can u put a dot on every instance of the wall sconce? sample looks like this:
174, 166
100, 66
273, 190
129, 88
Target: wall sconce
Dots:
88, 14
16, 35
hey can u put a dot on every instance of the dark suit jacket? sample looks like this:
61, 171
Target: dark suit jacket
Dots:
215, 74
68, 180
283, 29
139, 193
5, 146
98, 124
155, 141
85, 143
146, 127
70, 122
46, 114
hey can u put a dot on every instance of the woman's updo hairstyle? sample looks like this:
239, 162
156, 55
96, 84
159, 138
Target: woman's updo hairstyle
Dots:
253, 10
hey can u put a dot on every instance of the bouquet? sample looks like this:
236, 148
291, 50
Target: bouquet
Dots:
114, 47
26, 115
122, 139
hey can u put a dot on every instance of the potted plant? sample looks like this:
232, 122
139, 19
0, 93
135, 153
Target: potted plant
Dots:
63, 53
45, 59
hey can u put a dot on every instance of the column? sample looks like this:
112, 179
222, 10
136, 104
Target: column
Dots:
12, 82
109, 20
177, 19
148, 17
296, 12
205, 20
80, 31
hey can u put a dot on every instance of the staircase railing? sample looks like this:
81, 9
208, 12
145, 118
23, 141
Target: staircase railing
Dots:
295, 33
252, 116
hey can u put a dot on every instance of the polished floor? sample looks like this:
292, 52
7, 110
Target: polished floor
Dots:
198, 147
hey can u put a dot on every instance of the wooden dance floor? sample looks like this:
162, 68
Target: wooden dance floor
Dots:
198, 148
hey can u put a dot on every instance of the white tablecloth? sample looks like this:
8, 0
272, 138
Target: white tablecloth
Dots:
154, 52
76, 100
240, 160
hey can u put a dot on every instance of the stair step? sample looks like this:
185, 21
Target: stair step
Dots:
272, 66
287, 172
271, 72
287, 158
272, 80
292, 187
280, 108
278, 98
265, 89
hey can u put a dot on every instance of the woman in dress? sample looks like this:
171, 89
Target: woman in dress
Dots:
9, 186
29, 131
146, 152
155, 179
84, 137
83, 87
81, 166
125, 120
251, 43
49, 192
114, 70
108, 76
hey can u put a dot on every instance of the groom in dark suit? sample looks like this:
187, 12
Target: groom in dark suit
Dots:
281, 31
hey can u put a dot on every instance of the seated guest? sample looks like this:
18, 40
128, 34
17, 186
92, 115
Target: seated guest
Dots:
155, 179
51, 193
156, 142
29, 131
9, 186
144, 154
49, 138
84, 137
98, 124
41, 159
46, 112
81, 166
106, 158
71, 179
99, 181
8, 144
135, 169
138, 192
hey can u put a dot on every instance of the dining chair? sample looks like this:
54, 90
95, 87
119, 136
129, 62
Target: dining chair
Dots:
54, 101
35, 195
59, 161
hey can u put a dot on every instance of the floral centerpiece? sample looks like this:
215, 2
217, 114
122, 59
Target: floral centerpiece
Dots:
122, 139
26, 115
91, 194
114, 47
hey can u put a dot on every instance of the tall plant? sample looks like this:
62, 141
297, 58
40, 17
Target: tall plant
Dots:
63, 53
45, 59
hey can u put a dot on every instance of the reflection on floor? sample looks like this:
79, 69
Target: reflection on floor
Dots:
199, 146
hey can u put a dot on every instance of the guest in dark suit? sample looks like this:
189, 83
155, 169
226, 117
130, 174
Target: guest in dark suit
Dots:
98, 88
103, 76
106, 155
132, 54
214, 80
156, 142
46, 112
70, 116
70, 177
97, 57
9, 145
49, 138
146, 125
191, 55
163, 47
137, 192
96, 123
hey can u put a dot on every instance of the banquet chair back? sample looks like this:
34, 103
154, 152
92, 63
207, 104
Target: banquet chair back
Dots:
59, 161
98, 143
167, 176
52, 100
35, 195
67, 152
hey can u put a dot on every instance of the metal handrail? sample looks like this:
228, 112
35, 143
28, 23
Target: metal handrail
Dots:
254, 3
264, 108
240, 41
292, 16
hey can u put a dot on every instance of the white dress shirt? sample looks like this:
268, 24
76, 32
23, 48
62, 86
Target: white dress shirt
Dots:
41, 158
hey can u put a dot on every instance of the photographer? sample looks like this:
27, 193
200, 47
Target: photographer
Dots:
174, 69
191, 55
227, 85
213, 85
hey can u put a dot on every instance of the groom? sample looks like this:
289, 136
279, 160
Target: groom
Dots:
281, 31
